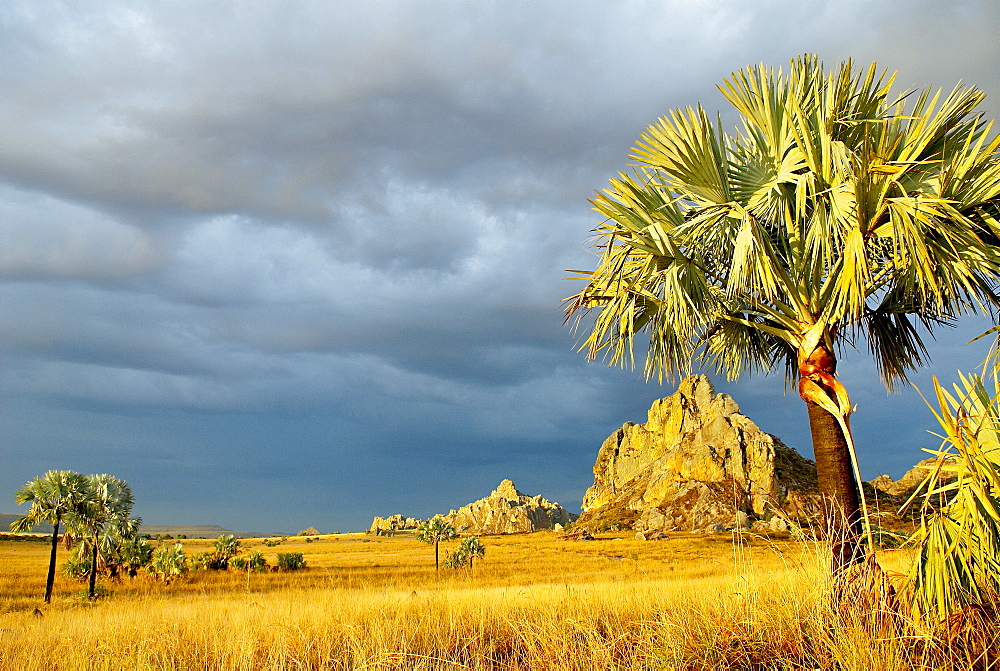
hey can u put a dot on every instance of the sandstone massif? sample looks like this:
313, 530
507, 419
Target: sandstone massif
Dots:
508, 511
697, 464
505, 511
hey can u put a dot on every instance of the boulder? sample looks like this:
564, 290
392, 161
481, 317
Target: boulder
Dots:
508, 511
696, 464
651, 535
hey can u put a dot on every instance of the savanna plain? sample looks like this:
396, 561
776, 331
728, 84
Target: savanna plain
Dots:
533, 602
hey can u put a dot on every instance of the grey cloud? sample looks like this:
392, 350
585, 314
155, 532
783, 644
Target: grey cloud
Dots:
245, 245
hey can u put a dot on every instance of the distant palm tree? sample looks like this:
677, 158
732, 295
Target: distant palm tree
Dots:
838, 213
434, 531
104, 518
53, 497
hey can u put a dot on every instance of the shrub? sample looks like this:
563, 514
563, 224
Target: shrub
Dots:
238, 563
226, 547
227, 544
291, 561
217, 561
256, 562
131, 555
100, 592
169, 563
199, 560
77, 567
456, 559
271, 542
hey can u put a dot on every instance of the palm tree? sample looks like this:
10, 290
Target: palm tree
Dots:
104, 518
52, 496
434, 531
471, 547
835, 213
958, 539
226, 547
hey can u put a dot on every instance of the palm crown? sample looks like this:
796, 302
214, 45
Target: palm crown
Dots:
834, 212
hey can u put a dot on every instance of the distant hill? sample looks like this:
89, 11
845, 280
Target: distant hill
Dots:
198, 531
189, 530
7, 518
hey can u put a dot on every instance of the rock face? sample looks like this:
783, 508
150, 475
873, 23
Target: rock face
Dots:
508, 511
909, 481
696, 464
387, 525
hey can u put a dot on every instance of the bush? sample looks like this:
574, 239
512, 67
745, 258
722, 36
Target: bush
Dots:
169, 563
217, 561
291, 561
456, 559
77, 567
238, 563
227, 544
131, 555
100, 592
199, 561
256, 562
271, 542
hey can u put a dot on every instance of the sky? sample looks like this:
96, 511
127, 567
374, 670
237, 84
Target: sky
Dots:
282, 264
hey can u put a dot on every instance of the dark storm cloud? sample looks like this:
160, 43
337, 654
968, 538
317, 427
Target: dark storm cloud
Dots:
248, 245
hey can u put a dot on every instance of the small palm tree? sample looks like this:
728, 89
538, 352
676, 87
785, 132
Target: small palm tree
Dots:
471, 547
169, 563
226, 547
434, 531
53, 497
958, 543
132, 554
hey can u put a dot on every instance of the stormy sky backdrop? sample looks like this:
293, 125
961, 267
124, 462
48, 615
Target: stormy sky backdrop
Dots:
300, 263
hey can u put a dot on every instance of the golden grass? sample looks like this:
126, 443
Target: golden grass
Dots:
534, 603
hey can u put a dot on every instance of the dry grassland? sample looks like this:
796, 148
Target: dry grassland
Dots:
535, 602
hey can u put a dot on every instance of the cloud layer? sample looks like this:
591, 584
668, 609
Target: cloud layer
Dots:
291, 264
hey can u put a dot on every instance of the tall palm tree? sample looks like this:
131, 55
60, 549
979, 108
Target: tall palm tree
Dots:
837, 212
434, 531
53, 496
104, 518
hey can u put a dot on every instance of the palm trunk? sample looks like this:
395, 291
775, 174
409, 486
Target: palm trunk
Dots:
50, 579
838, 485
93, 571
436, 565
838, 488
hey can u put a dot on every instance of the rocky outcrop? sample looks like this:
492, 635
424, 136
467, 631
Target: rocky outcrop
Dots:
508, 511
391, 524
696, 464
910, 480
504, 511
